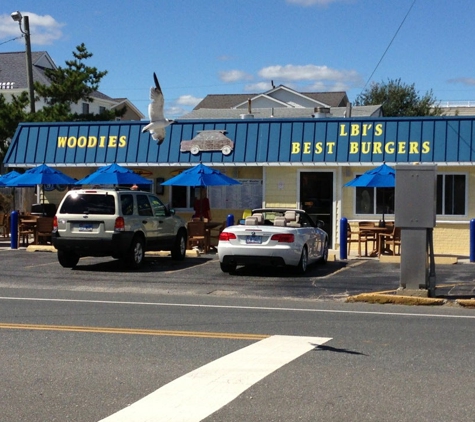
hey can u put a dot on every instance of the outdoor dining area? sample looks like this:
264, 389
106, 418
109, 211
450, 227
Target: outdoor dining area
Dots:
33, 226
32, 229
376, 239
203, 234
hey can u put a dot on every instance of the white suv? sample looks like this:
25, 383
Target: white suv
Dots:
118, 223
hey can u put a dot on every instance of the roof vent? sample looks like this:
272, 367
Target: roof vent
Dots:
321, 112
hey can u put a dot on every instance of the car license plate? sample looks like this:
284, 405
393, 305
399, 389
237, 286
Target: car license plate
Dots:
254, 240
85, 227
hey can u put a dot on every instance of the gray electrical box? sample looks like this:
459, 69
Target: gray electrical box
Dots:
415, 200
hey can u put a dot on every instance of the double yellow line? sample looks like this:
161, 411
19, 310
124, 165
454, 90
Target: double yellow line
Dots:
133, 331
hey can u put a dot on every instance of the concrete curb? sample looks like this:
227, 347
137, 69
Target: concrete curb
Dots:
40, 248
392, 297
466, 303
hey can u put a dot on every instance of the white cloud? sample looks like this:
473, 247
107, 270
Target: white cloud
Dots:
258, 87
234, 76
188, 100
329, 87
174, 112
299, 77
44, 29
307, 73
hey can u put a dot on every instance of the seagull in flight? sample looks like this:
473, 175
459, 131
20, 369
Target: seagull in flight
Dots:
158, 123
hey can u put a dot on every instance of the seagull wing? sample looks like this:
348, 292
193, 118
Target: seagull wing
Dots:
155, 108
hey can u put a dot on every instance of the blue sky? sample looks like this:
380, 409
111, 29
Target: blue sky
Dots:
200, 47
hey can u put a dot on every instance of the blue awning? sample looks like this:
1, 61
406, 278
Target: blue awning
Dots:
253, 142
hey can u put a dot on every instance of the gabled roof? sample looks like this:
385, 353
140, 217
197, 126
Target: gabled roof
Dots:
219, 101
285, 97
13, 68
281, 112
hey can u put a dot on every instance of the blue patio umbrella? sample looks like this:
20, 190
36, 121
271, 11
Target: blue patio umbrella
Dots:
114, 174
201, 176
41, 175
8, 177
383, 176
380, 177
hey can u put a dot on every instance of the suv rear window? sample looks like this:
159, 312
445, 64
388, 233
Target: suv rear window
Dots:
83, 203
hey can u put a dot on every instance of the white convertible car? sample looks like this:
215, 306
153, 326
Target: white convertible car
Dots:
273, 236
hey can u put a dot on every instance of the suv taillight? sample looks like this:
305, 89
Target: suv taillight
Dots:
119, 225
226, 236
55, 224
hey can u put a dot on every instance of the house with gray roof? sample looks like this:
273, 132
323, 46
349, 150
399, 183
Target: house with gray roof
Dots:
281, 96
13, 81
280, 102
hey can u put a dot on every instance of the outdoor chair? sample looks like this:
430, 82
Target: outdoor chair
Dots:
198, 236
352, 237
389, 242
4, 224
366, 235
44, 227
26, 228
214, 234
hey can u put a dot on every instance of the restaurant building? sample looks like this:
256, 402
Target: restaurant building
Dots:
300, 162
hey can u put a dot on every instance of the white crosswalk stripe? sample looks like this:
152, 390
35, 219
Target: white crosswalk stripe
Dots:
200, 393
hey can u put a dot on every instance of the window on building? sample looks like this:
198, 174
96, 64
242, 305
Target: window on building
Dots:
374, 201
85, 108
102, 109
451, 194
183, 197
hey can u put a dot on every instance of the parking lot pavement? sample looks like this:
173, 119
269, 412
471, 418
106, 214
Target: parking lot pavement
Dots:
352, 278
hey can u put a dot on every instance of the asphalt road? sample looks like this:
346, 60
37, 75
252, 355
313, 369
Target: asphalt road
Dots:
142, 330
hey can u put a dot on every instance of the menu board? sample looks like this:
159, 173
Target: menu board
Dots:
247, 195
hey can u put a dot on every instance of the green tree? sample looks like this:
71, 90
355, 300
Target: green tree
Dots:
399, 99
11, 114
69, 85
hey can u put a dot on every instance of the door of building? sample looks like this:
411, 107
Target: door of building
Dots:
316, 198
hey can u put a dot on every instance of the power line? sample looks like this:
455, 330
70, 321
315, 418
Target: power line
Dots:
13, 39
389, 45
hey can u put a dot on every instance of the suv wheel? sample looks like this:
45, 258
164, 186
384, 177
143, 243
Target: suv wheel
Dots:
136, 254
68, 259
179, 248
